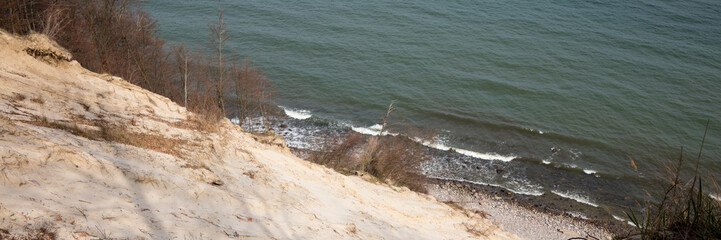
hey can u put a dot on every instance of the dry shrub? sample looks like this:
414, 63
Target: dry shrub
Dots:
393, 159
208, 122
340, 153
253, 92
56, 18
682, 211
399, 160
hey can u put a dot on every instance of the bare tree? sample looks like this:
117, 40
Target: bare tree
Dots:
218, 36
181, 60
55, 19
253, 92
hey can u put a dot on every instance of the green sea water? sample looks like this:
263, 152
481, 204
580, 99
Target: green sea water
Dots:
601, 81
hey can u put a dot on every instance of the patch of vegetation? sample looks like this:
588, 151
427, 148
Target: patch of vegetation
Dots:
118, 38
394, 160
28, 234
684, 210
142, 140
73, 128
38, 100
18, 97
112, 133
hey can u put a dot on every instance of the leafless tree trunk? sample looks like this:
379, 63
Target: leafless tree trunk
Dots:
219, 35
185, 84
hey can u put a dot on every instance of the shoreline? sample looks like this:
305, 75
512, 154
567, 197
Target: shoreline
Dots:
550, 215
551, 206
527, 223
301, 134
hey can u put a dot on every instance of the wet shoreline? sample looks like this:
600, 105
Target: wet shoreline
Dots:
549, 204
303, 134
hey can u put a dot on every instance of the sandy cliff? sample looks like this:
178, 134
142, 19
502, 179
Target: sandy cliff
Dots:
85, 155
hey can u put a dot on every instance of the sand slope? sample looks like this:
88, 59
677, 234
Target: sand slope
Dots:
211, 186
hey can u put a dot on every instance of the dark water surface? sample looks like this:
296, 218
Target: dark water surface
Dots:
503, 82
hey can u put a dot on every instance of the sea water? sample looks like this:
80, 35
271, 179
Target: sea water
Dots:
558, 94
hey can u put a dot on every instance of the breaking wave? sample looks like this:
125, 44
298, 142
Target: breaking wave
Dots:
575, 196
296, 113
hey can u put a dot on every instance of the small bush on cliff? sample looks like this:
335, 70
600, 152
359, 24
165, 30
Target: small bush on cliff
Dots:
393, 159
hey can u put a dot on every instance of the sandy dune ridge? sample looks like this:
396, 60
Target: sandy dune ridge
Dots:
181, 183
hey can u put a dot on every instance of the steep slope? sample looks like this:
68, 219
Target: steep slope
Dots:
86, 155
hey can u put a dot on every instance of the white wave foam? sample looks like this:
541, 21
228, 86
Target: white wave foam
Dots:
589, 171
576, 197
623, 220
534, 130
374, 130
437, 144
717, 197
545, 162
532, 190
297, 114
487, 156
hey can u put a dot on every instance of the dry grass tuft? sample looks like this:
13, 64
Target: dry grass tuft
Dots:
250, 174
38, 100
141, 140
68, 127
684, 210
196, 166
112, 133
18, 97
28, 234
474, 231
209, 123
454, 205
